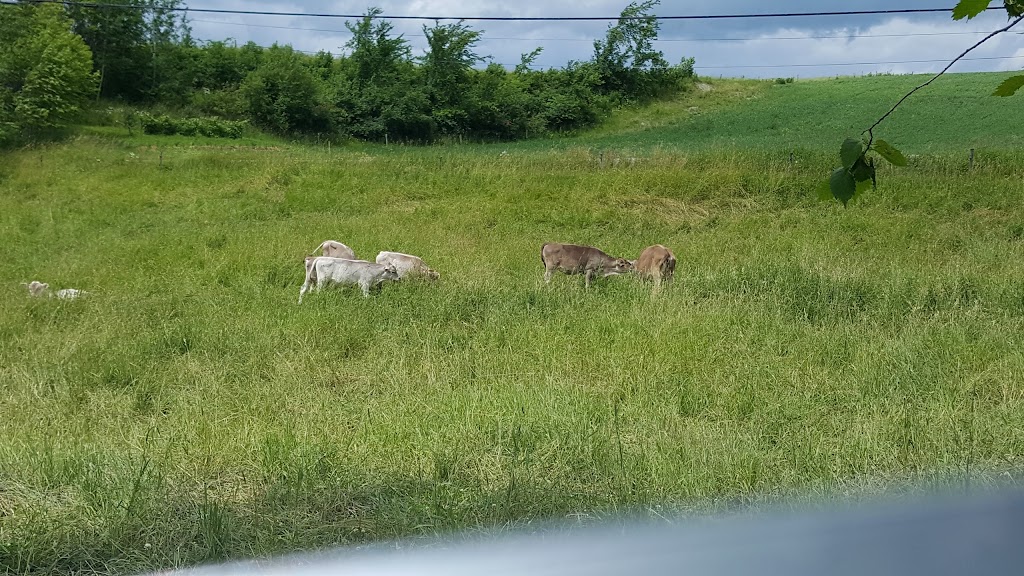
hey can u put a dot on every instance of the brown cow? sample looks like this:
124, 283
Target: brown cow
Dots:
576, 259
656, 263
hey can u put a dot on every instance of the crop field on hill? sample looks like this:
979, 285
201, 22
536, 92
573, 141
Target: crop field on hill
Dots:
190, 410
952, 115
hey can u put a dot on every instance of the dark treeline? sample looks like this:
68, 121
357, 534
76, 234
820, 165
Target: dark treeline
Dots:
146, 56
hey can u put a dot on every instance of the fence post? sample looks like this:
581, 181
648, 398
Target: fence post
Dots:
790, 158
385, 138
161, 159
971, 165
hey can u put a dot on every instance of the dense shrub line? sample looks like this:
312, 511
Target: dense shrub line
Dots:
213, 127
55, 60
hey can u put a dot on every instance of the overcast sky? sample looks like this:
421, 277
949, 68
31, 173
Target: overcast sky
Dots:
899, 44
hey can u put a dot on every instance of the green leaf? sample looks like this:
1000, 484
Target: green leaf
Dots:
850, 152
890, 153
969, 9
1009, 86
861, 171
842, 185
824, 191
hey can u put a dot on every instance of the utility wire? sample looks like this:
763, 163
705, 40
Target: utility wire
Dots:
856, 63
485, 38
509, 18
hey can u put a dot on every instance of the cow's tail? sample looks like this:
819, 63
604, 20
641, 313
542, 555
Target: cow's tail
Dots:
312, 271
542, 261
318, 248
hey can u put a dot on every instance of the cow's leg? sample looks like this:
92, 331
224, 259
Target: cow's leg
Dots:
365, 285
588, 278
308, 282
547, 275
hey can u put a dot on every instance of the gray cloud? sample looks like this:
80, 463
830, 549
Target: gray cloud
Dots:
885, 40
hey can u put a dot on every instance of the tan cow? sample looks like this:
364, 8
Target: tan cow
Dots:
336, 249
330, 249
656, 263
408, 266
576, 259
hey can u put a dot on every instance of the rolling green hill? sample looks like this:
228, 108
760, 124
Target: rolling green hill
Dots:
954, 113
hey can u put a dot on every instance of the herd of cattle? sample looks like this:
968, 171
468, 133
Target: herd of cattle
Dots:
338, 265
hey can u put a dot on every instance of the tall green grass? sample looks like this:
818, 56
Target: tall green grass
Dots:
190, 411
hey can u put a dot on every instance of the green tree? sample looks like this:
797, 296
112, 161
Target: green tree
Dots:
626, 61
46, 72
173, 62
446, 68
135, 46
379, 92
116, 36
283, 95
376, 57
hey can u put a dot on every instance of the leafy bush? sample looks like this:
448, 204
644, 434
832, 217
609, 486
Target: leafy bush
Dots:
221, 103
46, 74
282, 95
162, 124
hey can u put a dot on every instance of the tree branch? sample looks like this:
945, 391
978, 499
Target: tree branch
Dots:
871, 131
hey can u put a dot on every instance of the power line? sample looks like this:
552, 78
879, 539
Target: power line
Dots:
509, 18
855, 63
735, 39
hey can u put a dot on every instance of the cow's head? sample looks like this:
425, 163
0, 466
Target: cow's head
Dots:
36, 288
433, 274
622, 265
390, 273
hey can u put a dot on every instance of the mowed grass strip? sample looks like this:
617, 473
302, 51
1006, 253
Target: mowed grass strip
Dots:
190, 410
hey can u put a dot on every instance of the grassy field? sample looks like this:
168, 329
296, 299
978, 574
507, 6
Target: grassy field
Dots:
189, 410
952, 115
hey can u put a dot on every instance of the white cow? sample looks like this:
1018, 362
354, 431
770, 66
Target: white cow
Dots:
38, 289
71, 293
325, 270
407, 265
336, 249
